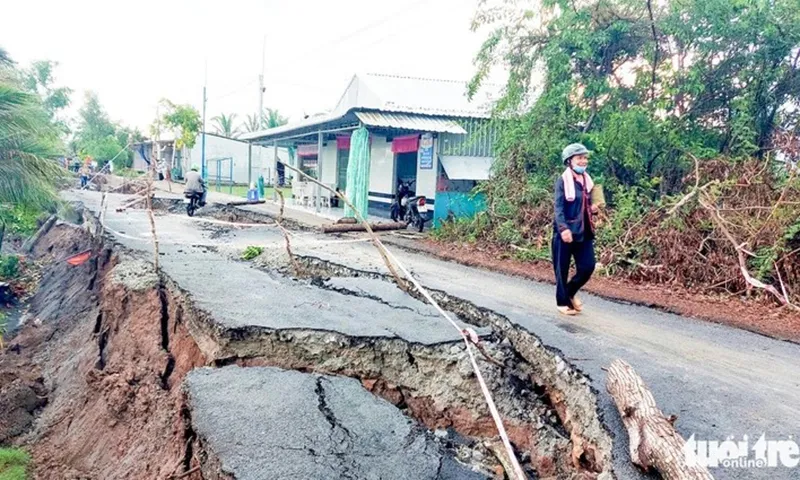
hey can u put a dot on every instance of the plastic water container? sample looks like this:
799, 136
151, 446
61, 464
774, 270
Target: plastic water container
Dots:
252, 195
261, 185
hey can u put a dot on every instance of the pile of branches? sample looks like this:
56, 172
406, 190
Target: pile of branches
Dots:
736, 230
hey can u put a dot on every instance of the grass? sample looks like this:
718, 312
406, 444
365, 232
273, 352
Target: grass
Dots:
252, 252
9, 267
241, 190
13, 464
20, 220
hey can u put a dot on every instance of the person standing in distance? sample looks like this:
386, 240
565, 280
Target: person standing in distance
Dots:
573, 228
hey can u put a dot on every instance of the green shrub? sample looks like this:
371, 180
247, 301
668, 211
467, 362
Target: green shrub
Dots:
20, 220
9, 266
13, 464
252, 252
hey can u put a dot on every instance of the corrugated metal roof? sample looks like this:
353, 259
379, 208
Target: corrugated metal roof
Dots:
291, 127
427, 96
405, 121
466, 168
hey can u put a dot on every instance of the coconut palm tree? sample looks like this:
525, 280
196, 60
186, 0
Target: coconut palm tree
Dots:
272, 118
4, 58
223, 124
28, 144
252, 124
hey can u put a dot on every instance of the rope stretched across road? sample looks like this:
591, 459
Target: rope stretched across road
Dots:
467, 334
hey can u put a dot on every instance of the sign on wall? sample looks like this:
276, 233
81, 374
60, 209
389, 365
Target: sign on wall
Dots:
426, 152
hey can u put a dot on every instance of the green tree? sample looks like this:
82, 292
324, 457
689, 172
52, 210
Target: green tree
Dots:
96, 135
224, 125
641, 83
28, 140
40, 80
272, 118
252, 123
185, 122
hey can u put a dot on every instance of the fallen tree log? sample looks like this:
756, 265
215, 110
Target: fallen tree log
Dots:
339, 228
244, 202
654, 443
27, 247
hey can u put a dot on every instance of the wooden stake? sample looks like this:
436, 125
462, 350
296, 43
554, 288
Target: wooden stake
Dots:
375, 240
151, 217
654, 443
292, 260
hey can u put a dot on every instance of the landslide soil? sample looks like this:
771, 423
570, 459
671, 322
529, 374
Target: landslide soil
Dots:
94, 361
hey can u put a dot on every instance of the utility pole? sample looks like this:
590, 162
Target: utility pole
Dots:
260, 102
261, 84
203, 167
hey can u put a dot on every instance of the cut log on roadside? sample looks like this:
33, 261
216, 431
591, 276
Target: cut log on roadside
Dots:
654, 442
244, 202
27, 247
347, 220
339, 228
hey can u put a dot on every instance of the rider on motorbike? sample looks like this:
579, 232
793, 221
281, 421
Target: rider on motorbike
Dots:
195, 185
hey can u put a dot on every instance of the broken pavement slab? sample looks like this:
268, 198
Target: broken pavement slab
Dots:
265, 422
257, 299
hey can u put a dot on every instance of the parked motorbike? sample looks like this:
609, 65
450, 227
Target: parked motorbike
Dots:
400, 204
410, 208
192, 201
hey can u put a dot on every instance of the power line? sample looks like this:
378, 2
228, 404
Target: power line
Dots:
348, 36
232, 92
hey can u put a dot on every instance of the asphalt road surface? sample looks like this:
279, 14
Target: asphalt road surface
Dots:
718, 380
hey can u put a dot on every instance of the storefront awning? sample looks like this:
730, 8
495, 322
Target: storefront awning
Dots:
466, 168
307, 150
404, 121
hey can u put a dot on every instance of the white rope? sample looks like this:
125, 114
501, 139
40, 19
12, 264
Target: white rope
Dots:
468, 335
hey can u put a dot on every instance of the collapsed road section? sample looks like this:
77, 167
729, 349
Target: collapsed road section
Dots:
364, 361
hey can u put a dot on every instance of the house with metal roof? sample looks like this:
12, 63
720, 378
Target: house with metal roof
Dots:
422, 131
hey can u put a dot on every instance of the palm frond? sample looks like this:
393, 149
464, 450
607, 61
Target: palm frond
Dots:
28, 174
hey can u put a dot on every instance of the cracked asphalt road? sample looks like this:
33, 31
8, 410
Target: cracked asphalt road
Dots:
249, 297
305, 426
720, 381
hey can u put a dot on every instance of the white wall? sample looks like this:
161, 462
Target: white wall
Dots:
219, 147
329, 158
381, 169
426, 179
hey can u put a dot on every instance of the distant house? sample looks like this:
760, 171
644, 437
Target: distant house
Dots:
421, 130
227, 158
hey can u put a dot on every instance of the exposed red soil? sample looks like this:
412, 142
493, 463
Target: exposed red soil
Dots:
109, 374
756, 315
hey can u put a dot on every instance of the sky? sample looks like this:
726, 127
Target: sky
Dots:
132, 54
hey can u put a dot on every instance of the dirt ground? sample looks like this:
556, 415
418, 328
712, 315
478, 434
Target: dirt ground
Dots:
99, 361
757, 315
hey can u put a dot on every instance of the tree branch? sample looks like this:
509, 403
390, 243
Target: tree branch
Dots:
655, 50
740, 253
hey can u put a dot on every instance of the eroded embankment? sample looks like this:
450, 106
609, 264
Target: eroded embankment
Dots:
108, 342
113, 342
548, 407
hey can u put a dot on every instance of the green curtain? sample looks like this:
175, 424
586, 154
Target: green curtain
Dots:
358, 173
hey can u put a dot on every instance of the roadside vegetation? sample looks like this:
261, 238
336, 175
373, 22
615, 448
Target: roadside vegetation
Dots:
690, 111
13, 464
